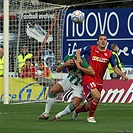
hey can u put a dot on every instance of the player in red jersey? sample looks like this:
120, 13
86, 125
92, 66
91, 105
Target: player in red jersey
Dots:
98, 57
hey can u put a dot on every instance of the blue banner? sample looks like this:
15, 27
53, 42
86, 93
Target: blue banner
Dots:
117, 24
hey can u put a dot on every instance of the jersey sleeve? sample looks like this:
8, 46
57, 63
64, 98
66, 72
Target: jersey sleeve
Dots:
112, 61
68, 57
65, 58
86, 50
84, 63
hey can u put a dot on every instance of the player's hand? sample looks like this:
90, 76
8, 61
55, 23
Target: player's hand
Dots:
69, 62
125, 78
77, 64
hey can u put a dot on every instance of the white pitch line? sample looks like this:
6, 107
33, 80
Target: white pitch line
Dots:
4, 113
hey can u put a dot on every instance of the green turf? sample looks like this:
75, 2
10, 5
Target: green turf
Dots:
23, 118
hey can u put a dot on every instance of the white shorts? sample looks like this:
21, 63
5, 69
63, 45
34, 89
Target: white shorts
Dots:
67, 85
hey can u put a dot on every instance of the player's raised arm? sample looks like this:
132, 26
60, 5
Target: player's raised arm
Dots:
120, 73
61, 67
78, 56
68, 63
88, 70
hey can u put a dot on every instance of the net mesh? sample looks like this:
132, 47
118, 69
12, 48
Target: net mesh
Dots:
37, 27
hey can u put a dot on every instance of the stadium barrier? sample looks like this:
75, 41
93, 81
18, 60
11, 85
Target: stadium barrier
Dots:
116, 91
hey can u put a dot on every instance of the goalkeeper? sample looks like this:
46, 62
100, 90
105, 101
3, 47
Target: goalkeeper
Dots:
71, 82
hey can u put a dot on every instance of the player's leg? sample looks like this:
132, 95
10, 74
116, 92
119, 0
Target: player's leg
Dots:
93, 105
85, 107
77, 98
61, 86
90, 106
50, 101
69, 108
90, 89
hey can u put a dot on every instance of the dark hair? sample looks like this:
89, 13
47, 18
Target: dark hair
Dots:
28, 59
100, 36
41, 62
113, 46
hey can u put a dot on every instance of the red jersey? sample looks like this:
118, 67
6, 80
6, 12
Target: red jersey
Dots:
27, 72
98, 60
44, 73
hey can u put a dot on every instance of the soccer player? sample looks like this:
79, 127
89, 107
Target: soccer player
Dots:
98, 57
71, 82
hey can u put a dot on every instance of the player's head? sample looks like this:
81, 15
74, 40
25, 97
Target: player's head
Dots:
102, 42
72, 64
114, 47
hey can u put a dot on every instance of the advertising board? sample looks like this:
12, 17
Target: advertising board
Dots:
117, 24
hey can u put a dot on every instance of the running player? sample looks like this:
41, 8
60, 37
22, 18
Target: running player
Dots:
72, 82
98, 57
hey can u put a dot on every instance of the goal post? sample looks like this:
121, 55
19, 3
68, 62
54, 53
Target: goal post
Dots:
38, 27
6, 51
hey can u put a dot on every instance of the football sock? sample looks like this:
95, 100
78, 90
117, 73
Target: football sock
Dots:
66, 111
82, 109
49, 103
93, 106
51, 95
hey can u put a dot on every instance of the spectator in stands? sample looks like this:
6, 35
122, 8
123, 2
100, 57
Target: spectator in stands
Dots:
115, 50
22, 57
1, 61
28, 69
43, 72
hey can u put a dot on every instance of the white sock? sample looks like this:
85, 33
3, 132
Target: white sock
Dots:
64, 112
49, 104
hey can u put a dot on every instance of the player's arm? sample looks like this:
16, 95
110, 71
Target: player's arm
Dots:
116, 69
63, 65
88, 70
78, 55
120, 73
83, 51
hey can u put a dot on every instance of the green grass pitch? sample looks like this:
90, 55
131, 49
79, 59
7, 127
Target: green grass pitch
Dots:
23, 118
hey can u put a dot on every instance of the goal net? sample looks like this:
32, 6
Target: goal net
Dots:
36, 28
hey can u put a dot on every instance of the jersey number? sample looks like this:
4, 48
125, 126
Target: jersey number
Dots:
93, 85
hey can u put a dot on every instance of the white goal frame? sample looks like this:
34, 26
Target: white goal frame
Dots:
20, 10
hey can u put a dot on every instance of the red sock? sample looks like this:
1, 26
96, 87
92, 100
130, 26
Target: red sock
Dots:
93, 106
81, 109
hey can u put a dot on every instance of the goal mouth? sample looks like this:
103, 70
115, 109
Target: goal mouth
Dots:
39, 27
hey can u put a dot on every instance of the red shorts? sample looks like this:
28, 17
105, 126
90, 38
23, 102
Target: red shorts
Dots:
88, 84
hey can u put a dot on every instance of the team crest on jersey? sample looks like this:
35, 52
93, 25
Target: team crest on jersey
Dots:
104, 60
105, 54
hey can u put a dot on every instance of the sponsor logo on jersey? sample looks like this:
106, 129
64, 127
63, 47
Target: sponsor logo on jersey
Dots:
104, 60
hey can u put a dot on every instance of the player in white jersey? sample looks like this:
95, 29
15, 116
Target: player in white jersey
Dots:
72, 82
